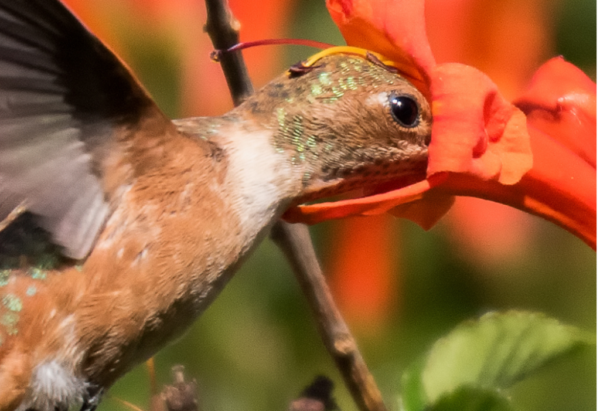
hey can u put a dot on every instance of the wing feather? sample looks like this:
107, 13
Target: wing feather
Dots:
63, 95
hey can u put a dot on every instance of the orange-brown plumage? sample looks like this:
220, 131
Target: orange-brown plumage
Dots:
134, 223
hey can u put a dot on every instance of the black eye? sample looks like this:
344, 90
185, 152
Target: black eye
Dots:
405, 110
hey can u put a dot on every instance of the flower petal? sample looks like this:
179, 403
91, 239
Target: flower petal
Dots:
394, 28
561, 188
427, 211
371, 205
475, 130
561, 101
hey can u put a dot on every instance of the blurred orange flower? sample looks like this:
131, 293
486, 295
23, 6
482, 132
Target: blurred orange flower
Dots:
482, 145
176, 28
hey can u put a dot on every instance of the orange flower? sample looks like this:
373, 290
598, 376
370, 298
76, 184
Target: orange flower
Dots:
537, 155
174, 30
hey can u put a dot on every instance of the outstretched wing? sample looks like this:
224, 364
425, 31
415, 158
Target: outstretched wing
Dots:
62, 96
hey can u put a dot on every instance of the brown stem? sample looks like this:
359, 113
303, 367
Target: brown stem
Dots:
294, 239
223, 30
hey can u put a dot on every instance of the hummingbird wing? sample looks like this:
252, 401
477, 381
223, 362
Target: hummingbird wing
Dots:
63, 95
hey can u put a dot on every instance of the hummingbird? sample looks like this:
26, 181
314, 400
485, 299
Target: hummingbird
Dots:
119, 226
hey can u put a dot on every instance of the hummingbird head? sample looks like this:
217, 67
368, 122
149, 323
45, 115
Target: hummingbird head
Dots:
345, 122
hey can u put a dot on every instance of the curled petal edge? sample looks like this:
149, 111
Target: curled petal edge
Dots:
475, 130
561, 101
564, 194
372, 205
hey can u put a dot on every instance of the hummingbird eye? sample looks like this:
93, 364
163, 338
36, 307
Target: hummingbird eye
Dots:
405, 110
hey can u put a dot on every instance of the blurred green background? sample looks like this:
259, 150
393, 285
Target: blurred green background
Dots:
256, 347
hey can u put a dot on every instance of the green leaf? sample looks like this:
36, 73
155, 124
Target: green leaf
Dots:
488, 354
472, 399
413, 395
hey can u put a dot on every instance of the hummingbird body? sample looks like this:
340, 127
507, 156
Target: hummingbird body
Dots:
118, 227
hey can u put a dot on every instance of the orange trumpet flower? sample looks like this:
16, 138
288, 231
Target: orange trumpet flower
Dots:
537, 155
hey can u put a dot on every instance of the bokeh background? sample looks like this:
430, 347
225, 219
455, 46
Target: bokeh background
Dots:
400, 288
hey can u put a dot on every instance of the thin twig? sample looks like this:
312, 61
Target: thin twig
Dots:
127, 404
294, 239
223, 30
152, 376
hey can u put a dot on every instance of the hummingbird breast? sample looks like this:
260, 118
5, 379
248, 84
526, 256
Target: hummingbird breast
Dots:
177, 232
